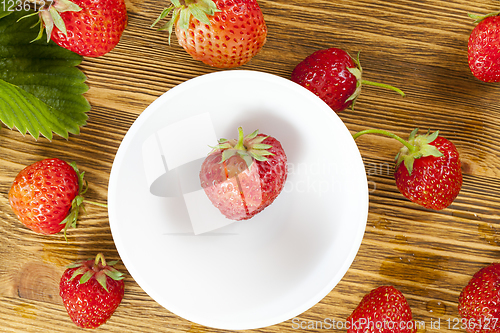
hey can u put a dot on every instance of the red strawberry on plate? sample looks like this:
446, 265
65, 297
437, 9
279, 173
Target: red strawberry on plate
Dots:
220, 33
90, 28
479, 301
383, 310
242, 177
46, 196
91, 291
428, 169
484, 48
334, 76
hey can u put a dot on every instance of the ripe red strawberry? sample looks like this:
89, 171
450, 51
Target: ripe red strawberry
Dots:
383, 310
334, 76
479, 301
220, 33
46, 196
91, 291
484, 48
242, 177
90, 28
428, 169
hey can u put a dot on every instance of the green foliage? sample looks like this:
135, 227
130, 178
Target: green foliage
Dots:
41, 89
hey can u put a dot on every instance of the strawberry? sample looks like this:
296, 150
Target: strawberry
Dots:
428, 169
220, 33
479, 301
383, 310
91, 291
484, 48
242, 177
46, 196
334, 76
90, 28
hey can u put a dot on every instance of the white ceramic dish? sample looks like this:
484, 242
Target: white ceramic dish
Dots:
258, 272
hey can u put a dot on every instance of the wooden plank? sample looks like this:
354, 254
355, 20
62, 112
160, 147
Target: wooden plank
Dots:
418, 46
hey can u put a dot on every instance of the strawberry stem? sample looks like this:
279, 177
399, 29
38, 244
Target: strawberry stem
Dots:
100, 257
382, 85
410, 147
479, 18
241, 137
95, 203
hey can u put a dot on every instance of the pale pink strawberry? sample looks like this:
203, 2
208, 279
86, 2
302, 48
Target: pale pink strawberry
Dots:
220, 33
242, 177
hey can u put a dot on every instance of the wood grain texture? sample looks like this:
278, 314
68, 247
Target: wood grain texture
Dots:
419, 46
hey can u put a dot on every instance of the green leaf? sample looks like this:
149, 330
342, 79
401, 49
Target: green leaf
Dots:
41, 89
247, 158
75, 264
256, 156
163, 14
79, 271
430, 138
114, 274
253, 135
85, 277
261, 146
5, 9
184, 17
413, 134
112, 263
198, 13
227, 154
101, 278
58, 21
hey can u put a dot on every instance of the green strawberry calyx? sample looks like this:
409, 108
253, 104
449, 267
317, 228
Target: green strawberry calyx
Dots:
357, 72
416, 147
182, 10
49, 13
249, 147
77, 203
479, 18
98, 268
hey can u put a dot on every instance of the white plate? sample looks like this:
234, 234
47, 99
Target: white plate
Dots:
248, 274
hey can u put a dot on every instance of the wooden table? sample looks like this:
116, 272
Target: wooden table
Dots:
418, 46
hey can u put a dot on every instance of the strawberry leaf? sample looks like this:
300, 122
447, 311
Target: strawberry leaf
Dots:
41, 90
112, 263
227, 154
114, 274
198, 13
184, 17
101, 278
253, 135
85, 277
431, 137
77, 272
4, 10
261, 146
